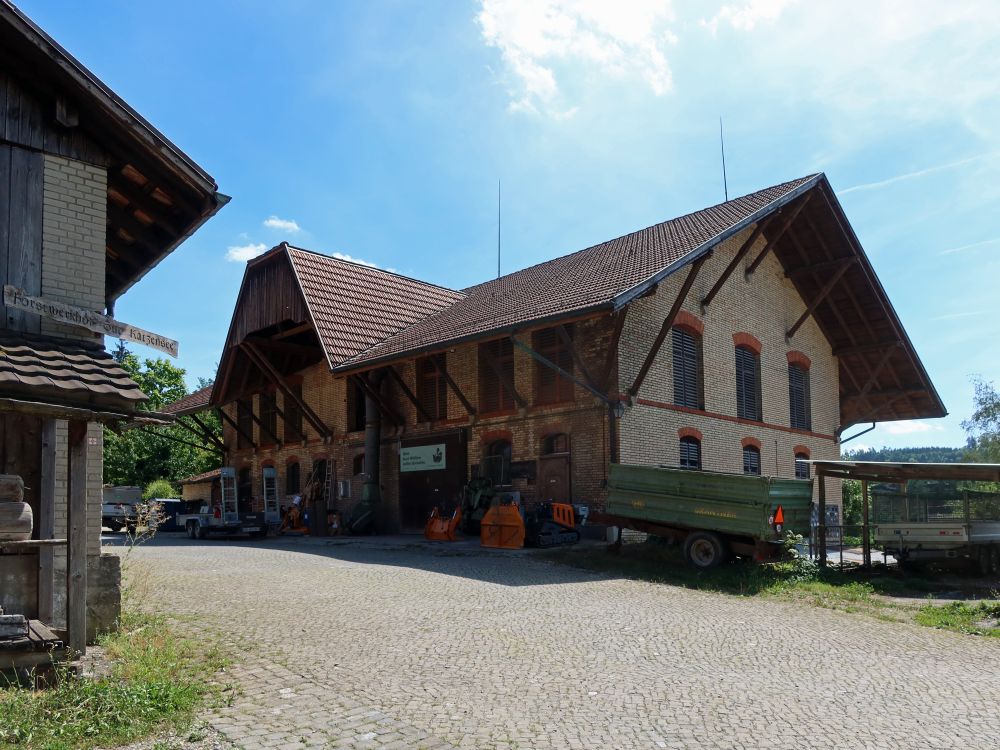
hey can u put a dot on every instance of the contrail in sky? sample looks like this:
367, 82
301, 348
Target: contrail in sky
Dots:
915, 175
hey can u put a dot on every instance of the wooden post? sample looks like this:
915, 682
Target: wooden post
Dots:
47, 524
866, 545
821, 529
76, 565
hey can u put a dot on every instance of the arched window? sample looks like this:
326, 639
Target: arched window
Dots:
689, 381
558, 443
751, 459
801, 467
690, 452
293, 481
798, 397
748, 384
497, 462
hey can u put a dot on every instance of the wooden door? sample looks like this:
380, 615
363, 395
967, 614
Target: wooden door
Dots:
553, 478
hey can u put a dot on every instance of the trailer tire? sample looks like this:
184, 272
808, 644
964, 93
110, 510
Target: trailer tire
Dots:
704, 550
199, 530
189, 527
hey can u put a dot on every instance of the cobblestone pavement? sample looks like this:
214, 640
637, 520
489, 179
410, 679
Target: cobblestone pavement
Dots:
397, 643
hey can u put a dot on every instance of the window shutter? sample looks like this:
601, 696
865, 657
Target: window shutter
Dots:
798, 398
690, 453
688, 385
751, 460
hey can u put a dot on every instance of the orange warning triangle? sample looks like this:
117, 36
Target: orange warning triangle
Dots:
779, 515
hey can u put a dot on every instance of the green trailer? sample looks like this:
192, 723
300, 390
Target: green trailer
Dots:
715, 515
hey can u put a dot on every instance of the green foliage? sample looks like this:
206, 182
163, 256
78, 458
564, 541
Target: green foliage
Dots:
929, 454
853, 503
983, 427
139, 456
157, 677
159, 488
978, 619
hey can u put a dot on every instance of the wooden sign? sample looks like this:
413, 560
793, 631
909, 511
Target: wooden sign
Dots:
78, 316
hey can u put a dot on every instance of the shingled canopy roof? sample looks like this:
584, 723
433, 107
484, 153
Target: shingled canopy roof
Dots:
189, 404
364, 317
56, 373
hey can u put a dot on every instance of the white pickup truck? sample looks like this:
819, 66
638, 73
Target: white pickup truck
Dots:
917, 527
118, 507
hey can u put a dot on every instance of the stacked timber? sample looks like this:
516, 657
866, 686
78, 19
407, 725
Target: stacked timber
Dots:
12, 626
15, 514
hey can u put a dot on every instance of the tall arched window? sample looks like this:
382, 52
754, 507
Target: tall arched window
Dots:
801, 467
751, 459
690, 452
800, 415
748, 384
689, 386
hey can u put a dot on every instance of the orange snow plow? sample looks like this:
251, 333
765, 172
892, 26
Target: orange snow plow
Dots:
441, 529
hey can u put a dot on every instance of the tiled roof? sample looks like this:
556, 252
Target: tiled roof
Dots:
205, 477
585, 280
189, 404
65, 372
356, 306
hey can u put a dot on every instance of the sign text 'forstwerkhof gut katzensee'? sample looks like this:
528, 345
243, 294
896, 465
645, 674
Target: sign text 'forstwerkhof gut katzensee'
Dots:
92, 321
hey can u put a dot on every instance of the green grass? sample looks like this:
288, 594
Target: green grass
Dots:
851, 590
981, 618
158, 678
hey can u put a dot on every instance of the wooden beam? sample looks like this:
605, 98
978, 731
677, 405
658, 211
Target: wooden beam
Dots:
873, 377
384, 406
668, 323
507, 382
76, 570
568, 342
827, 288
47, 524
421, 410
171, 438
893, 393
740, 254
228, 420
204, 434
560, 371
821, 267
878, 346
443, 372
611, 356
772, 241
286, 422
142, 200
208, 432
268, 369
283, 347
260, 423
294, 331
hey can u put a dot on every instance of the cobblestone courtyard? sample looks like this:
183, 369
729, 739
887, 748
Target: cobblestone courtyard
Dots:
399, 644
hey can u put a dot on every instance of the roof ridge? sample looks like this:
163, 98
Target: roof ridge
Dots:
369, 267
466, 290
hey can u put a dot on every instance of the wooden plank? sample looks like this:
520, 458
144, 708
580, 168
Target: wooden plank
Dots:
507, 381
47, 524
275, 377
772, 241
76, 576
817, 300
211, 436
4, 217
740, 254
421, 410
24, 259
373, 393
668, 323
232, 423
443, 372
568, 342
557, 369
611, 356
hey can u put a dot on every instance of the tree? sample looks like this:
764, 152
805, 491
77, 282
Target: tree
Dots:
983, 427
141, 455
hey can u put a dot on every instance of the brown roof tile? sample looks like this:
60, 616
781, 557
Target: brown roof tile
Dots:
63, 371
189, 404
205, 477
355, 306
585, 280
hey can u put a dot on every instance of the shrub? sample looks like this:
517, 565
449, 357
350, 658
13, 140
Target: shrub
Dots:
159, 488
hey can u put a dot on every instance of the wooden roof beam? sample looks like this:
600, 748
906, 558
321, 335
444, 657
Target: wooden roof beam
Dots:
740, 254
232, 423
827, 288
421, 409
275, 377
443, 372
507, 381
384, 406
574, 352
827, 265
772, 241
612, 353
842, 351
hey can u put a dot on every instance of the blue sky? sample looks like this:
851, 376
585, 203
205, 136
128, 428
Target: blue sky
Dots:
379, 130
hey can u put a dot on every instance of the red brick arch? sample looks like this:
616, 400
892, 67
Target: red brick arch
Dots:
555, 428
750, 442
689, 432
292, 460
689, 322
267, 463
748, 340
804, 449
492, 436
800, 359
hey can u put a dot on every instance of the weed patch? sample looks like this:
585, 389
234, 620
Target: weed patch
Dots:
982, 618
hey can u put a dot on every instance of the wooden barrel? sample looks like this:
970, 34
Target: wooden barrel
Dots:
15, 522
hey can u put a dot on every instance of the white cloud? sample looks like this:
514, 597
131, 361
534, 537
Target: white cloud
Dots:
916, 174
282, 225
955, 316
746, 15
971, 245
544, 41
352, 259
243, 253
909, 427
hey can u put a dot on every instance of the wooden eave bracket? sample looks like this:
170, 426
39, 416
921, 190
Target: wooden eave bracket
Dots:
274, 376
421, 409
502, 376
443, 371
558, 370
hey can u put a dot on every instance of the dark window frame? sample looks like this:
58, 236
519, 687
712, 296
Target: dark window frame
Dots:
293, 478
690, 452
550, 386
748, 395
799, 401
689, 368
751, 460
801, 467
432, 388
244, 420
268, 416
293, 415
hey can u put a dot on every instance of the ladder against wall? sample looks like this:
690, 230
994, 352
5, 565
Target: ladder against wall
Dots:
230, 506
272, 512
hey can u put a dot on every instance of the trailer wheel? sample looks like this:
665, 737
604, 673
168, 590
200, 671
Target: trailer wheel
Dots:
199, 530
189, 526
704, 550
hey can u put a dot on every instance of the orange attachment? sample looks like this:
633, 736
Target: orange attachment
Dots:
562, 514
779, 516
502, 528
440, 529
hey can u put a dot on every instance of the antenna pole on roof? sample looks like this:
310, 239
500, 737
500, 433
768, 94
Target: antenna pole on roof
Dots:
498, 229
722, 143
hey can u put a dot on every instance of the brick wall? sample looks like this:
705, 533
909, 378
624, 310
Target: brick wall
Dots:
73, 238
764, 306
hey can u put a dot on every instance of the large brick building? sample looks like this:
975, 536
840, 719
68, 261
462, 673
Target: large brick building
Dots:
737, 338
